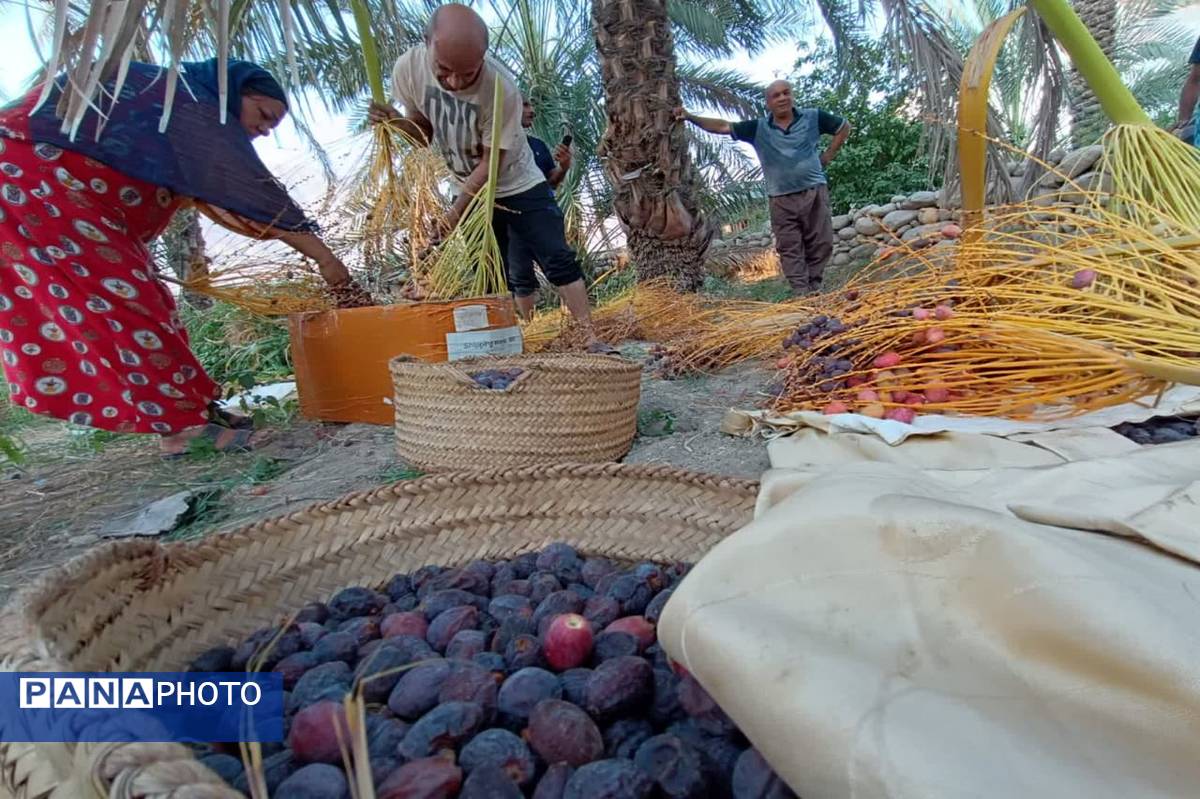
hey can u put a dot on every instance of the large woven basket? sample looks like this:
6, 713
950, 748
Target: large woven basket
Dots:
565, 408
141, 606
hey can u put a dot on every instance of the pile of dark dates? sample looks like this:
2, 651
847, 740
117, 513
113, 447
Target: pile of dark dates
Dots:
1164, 430
539, 676
497, 379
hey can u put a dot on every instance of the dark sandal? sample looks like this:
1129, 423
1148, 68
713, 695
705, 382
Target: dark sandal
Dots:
236, 441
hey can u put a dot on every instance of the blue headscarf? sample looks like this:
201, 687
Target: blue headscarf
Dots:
197, 156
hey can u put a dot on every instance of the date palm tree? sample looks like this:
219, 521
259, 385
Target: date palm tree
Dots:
1087, 118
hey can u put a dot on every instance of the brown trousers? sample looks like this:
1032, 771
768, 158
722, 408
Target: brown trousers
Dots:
803, 231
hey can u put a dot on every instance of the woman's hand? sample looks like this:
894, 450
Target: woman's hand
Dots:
351, 295
412, 291
333, 270
345, 292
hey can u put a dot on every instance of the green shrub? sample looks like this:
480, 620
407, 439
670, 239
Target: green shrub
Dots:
884, 154
236, 347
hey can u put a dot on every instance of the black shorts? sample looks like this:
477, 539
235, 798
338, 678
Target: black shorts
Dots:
529, 227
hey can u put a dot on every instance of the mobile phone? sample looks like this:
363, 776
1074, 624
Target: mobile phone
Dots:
566, 140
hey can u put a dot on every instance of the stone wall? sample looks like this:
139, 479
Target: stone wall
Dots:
917, 219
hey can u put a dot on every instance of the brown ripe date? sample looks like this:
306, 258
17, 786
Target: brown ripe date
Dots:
562, 733
609, 779
620, 686
424, 778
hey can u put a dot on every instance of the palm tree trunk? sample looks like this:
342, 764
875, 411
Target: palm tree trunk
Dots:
645, 151
1088, 121
183, 242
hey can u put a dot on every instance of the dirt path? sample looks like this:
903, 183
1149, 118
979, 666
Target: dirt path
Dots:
56, 507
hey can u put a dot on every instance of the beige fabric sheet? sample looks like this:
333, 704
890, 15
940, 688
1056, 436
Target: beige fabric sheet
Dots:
810, 447
882, 630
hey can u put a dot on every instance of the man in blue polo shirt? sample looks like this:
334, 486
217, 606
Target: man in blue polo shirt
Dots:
521, 276
794, 170
1185, 126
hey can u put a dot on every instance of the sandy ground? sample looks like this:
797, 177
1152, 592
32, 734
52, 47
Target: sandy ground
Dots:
56, 506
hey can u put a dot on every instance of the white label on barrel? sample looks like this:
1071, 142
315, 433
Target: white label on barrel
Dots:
470, 317
502, 341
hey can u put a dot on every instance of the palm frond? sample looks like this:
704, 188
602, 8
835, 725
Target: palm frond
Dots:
725, 90
1038, 50
845, 24
733, 201
919, 41
698, 29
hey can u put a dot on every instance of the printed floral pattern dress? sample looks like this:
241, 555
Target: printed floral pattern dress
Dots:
87, 333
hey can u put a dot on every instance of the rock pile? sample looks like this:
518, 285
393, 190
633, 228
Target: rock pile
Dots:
916, 219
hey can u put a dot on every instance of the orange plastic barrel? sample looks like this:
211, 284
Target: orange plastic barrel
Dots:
341, 357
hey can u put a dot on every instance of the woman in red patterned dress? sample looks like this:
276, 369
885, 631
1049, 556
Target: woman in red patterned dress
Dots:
87, 332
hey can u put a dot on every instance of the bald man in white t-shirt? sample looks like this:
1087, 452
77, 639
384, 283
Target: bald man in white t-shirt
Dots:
446, 87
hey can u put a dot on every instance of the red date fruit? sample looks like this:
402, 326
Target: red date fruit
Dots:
424, 778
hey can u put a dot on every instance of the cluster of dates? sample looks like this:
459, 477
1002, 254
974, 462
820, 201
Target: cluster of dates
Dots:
539, 676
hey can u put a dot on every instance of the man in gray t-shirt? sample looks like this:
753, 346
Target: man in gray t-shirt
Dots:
794, 170
446, 86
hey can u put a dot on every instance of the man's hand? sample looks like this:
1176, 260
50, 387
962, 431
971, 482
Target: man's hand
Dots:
717, 126
429, 249
839, 139
450, 221
437, 234
377, 113
562, 155
412, 291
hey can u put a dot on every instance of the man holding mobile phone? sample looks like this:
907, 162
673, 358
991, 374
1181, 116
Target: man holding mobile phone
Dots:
554, 166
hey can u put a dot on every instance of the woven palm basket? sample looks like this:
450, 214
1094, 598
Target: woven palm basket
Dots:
564, 408
139, 605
